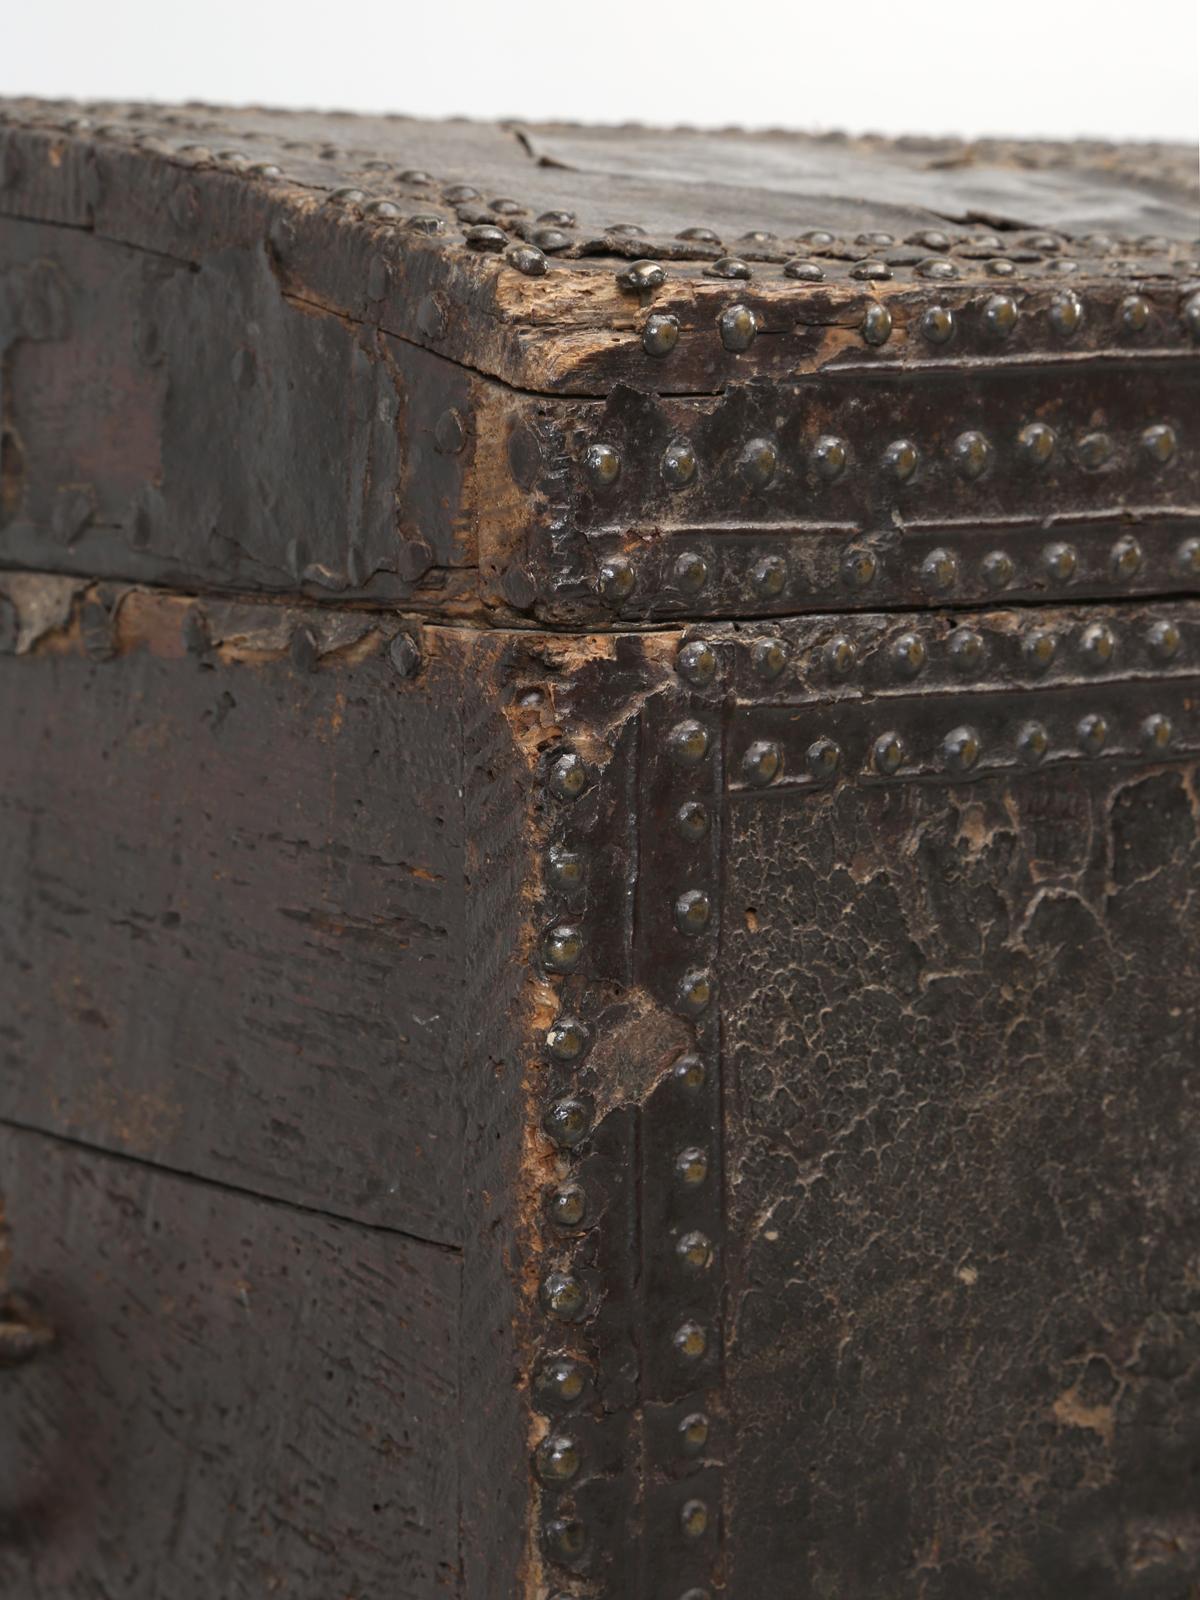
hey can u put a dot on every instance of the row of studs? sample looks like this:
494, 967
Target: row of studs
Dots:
960, 751
567, 1120
1096, 646
971, 454
937, 573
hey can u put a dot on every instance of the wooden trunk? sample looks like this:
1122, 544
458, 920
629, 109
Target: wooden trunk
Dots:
602, 863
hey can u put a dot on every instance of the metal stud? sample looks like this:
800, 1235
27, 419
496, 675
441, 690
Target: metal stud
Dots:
690, 1073
872, 272
803, 270
768, 657
728, 267
937, 324
1191, 315
1093, 450
568, 1205
972, 455
1040, 648
768, 577
603, 465
839, 656
1000, 315
425, 222
937, 267
695, 993
616, 579
1000, 267
829, 457
343, 197
693, 1433
1066, 313
900, 460
1093, 733
877, 324
561, 1381
1060, 561
1187, 557
1159, 443
821, 238
697, 662
688, 743
562, 947
939, 571
700, 235
567, 1121
694, 1252
556, 1459
1163, 640
1135, 313
551, 240
484, 237
693, 1519
757, 237
660, 335
691, 821
888, 753
1097, 645
961, 748
563, 1296
528, 259
1032, 743
568, 776
691, 1167
458, 193
908, 653
1036, 443
691, 572
567, 1039
738, 326
692, 912
758, 462
564, 868
690, 1341
641, 277
762, 763
1156, 733
858, 567
965, 648
930, 239
997, 568
1125, 557
823, 758
566, 1539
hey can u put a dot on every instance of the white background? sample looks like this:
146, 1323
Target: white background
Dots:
1036, 67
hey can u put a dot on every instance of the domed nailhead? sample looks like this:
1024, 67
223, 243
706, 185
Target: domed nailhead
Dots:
888, 753
829, 457
877, 324
459, 193
691, 1167
762, 762
568, 1205
678, 465
966, 649
768, 658
1066, 314
768, 577
1135, 313
758, 461
738, 326
937, 325
900, 460
690, 1073
908, 653
603, 465
1000, 267
1093, 733
691, 821
803, 270
1093, 450
568, 776
972, 455
821, 238
567, 1122
425, 222
564, 1297
1036, 443
728, 267
565, 868
567, 1039
1060, 561
997, 568
823, 758
485, 237
858, 568
1156, 733
1040, 649
687, 743
561, 1381
1191, 315
692, 912
1187, 558
1159, 443
693, 1519
693, 1433
616, 579
1163, 640
839, 656
1125, 558
691, 1341
937, 267
939, 571
697, 662
562, 947
695, 993
930, 239
695, 1252
961, 748
1097, 645
556, 1459
701, 235
566, 1539
528, 259
691, 572
870, 272
660, 335
641, 277
1032, 743
551, 240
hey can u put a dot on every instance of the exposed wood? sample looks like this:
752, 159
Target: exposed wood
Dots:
241, 1399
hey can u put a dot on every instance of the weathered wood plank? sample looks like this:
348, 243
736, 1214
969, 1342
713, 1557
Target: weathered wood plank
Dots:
242, 1399
231, 930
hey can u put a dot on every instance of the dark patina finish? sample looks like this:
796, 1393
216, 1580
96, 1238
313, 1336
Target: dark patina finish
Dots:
601, 847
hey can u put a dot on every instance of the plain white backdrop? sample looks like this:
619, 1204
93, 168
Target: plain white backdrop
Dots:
1036, 67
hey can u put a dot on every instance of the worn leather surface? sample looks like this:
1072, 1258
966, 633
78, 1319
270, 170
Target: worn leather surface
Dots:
963, 1294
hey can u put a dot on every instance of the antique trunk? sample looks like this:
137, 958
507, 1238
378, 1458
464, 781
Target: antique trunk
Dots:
601, 860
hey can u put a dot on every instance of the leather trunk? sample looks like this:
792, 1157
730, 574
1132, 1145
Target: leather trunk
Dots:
602, 862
